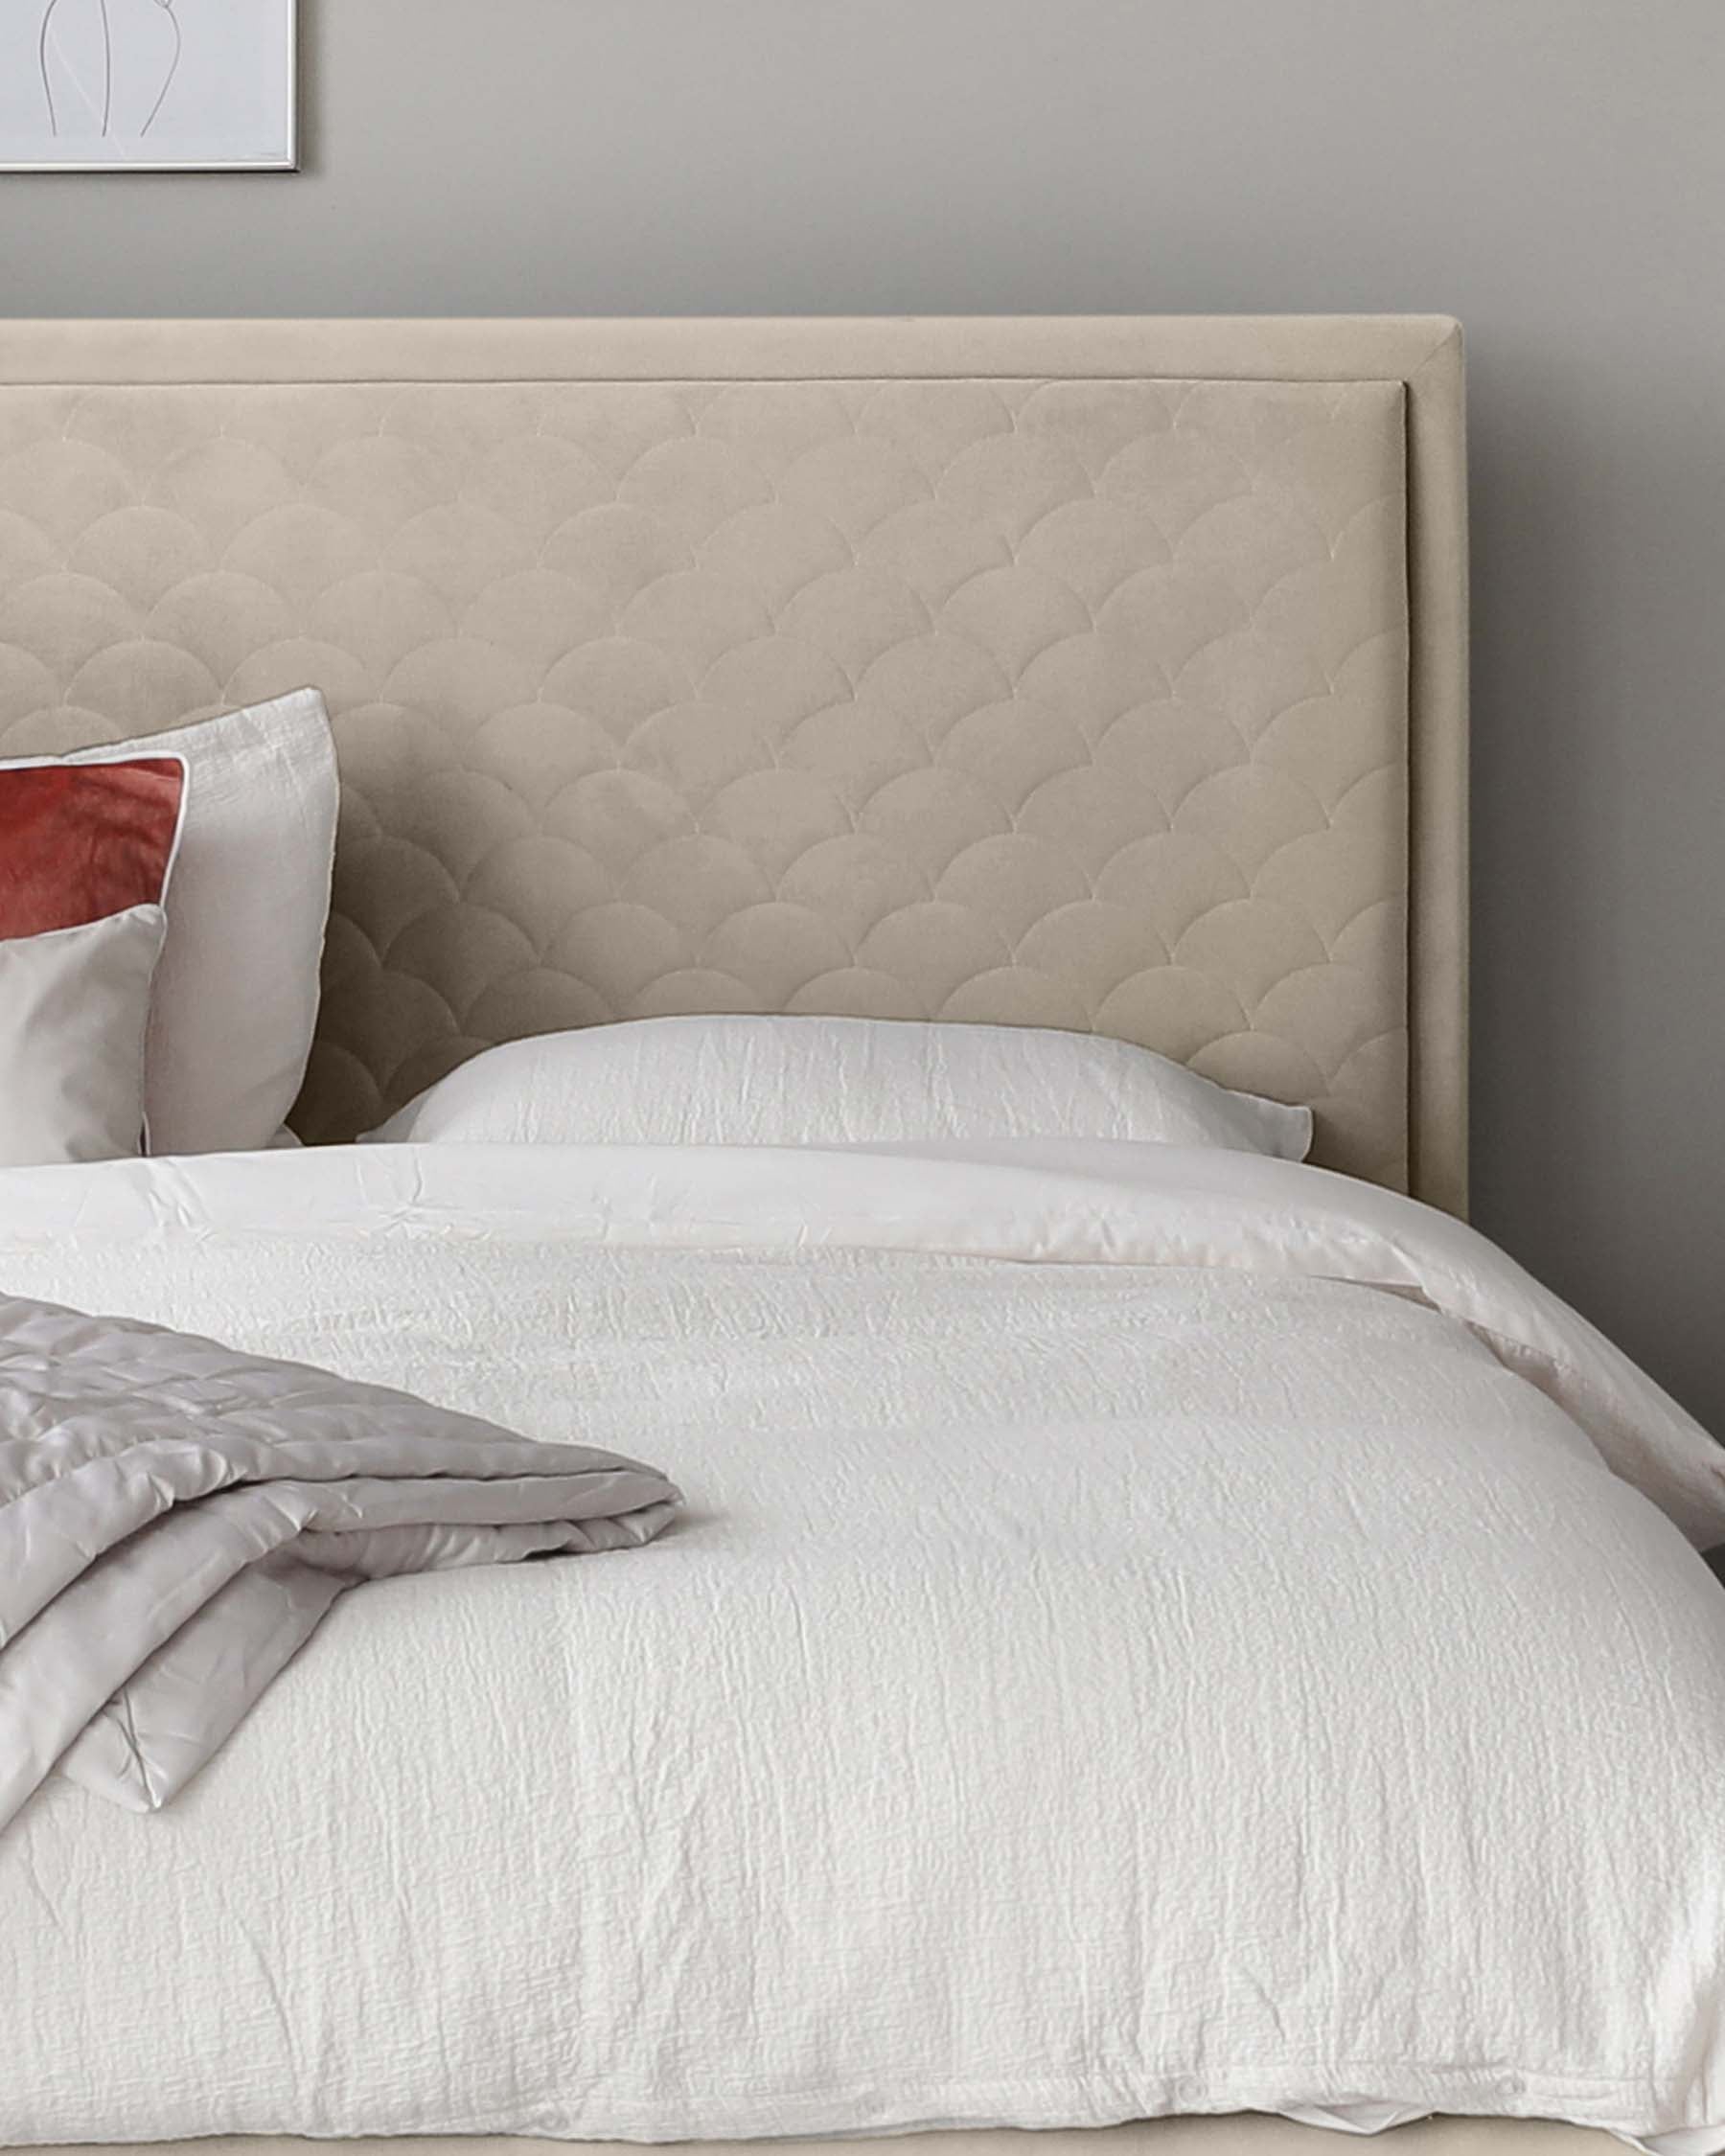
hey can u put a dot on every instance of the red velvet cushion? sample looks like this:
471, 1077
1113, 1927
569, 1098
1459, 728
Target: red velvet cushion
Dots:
79, 842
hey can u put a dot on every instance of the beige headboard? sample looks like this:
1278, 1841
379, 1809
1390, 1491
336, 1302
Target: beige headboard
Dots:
1101, 674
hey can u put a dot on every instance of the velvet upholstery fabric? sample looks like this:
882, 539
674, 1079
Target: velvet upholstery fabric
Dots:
80, 842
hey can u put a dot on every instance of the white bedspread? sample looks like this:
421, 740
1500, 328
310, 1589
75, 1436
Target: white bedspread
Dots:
1117, 1658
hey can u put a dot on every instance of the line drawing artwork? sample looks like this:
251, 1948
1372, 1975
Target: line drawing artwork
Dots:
99, 30
148, 85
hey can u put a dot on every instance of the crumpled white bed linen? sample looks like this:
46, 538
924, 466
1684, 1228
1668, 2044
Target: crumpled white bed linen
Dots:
1117, 1658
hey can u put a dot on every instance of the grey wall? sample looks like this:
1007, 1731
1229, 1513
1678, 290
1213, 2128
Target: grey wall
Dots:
1552, 170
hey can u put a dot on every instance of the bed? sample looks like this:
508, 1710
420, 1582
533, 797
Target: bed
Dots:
1106, 677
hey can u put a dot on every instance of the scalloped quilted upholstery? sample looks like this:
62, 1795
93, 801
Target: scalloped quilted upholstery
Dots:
1077, 702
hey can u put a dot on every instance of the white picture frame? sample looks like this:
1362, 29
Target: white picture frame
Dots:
148, 85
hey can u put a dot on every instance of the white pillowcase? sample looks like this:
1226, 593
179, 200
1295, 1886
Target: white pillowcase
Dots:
74, 1005
236, 994
833, 1081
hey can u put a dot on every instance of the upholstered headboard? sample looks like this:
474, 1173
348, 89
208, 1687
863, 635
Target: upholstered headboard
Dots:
1095, 674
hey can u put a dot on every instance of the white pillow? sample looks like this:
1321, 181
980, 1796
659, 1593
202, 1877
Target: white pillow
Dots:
833, 1081
74, 1004
236, 993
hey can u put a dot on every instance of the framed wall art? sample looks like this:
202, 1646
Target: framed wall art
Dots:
147, 85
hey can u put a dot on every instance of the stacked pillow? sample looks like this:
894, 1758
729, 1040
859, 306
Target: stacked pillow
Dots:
85, 854
161, 913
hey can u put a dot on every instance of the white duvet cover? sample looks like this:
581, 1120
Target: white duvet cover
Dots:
1152, 1631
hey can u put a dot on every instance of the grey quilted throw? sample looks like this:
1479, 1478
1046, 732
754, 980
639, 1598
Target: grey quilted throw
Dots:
175, 1518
